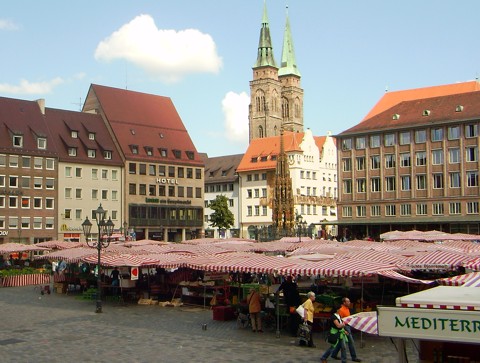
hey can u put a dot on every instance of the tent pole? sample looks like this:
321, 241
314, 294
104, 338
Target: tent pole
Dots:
362, 344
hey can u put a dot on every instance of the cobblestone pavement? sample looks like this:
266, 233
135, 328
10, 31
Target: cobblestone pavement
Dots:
64, 328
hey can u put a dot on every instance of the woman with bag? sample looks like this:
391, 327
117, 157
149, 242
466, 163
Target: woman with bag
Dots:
336, 335
308, 315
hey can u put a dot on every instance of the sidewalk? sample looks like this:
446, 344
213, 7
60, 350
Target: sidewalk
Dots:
62, 328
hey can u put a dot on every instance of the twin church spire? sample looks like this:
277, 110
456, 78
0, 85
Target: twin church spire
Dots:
276, 95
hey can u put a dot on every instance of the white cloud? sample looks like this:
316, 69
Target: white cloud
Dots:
166, 54
235, 110
7, 25
26, 87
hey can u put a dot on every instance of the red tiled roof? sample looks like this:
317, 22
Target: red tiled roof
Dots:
390, 99
410, 113
270, 146
144, 120
62, 123
23, 118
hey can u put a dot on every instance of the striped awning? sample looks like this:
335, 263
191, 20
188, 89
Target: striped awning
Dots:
129, 260
436, 260
71, 255
364, 321
398, 276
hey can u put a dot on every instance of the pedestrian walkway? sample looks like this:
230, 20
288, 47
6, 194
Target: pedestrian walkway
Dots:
63, 328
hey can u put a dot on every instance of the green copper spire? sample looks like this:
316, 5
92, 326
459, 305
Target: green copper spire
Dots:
265, 49
289, 64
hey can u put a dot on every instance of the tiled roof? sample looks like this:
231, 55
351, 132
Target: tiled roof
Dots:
264, 152
221, 168
24, 118
62, 123
144, 120
423, 112
392, 98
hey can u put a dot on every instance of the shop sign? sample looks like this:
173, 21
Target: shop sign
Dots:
10, 192
134, 273
365, 280
429, 324
64, 227
3, 233
167, 181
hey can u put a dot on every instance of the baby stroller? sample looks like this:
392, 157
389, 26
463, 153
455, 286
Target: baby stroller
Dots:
303, 334
243, 317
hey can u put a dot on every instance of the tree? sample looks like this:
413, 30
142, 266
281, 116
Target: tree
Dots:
222, 217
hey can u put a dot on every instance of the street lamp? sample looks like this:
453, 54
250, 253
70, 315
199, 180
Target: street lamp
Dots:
125, 225
104, 229
300, 226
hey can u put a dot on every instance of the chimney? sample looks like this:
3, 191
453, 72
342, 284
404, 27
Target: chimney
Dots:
41, 104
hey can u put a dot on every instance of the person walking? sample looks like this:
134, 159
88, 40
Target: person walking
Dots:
291, 298
254, 308
344, 311
337, 330
308, 317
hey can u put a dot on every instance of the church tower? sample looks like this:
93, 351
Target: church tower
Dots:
276, 99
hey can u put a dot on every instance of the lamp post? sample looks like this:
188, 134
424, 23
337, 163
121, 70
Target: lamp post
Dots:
125, 226
104, 229
301, 225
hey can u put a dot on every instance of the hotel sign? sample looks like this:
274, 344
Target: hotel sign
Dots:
429, 324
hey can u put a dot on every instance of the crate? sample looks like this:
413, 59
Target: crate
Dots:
223, 313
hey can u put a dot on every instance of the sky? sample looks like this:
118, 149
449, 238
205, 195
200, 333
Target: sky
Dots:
201, 53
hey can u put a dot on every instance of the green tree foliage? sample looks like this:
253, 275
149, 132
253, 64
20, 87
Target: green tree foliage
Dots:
222, 217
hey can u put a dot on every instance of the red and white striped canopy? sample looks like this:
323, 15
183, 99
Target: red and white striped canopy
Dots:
398, 276
473, 280
436, 260
473, 264
364, 321
59, 245
71, 255
467, 280
129, 260
337, 267
19, 247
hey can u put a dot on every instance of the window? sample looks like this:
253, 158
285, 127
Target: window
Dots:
375, 141
437, 134
375, 162
347, 144
264, 192
171, 191
37, 182
347, 164
389, 161
472, 207
347, 211
134, 149
25, 202
375, 211
78, 193
390, 183
375, 184
94, 174
420, 136
68, 171
437, 157
421, 158
405, 138
41, 143
471, 153
104, 194
91, 136
13, 222
361, 211
3, 160
455, 180
256, 193
2, 180
142, 169
91, 153
198, 174
189, 173
107, 154
249, 193
360, 143
72, 151
257, 210
49, 203
163, 153
406, 182
37, 222
472, 178
37, 203
389, 139
132, 189
198, 192
50, 183
50, 164
162, 191
347, 186
67, 213
454, 132
437, 209
78, 214
13, 181
437, 181
2, 201
405, 160
177, 154
68, 193
149, 150
114, 174
142, 190
421, 209
390, 210
132, 168
115, 195
421, 181
405, 209
264, 210
95, 194
13, 161
104, 174
78, 172
25, 182
361, 185
455, 208
26, 161
49, 221
249, 211
17, 141
171, 171
454, 155
361, 163
74, 134
471, 131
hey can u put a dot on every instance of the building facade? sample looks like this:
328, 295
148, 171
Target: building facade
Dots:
28, 173
221, 178
412, 164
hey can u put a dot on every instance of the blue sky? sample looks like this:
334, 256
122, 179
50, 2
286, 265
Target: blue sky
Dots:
200, 54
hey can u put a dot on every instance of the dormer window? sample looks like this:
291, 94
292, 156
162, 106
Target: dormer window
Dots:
91, 136
134, 149
177, 154
149, 150
17, 141
459, 108
42, 143
74, 134
190, 155
107, 154
426, 113
263, 158
210, 174
91, 153
72, 151
224, 173
163, 153
254, 159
